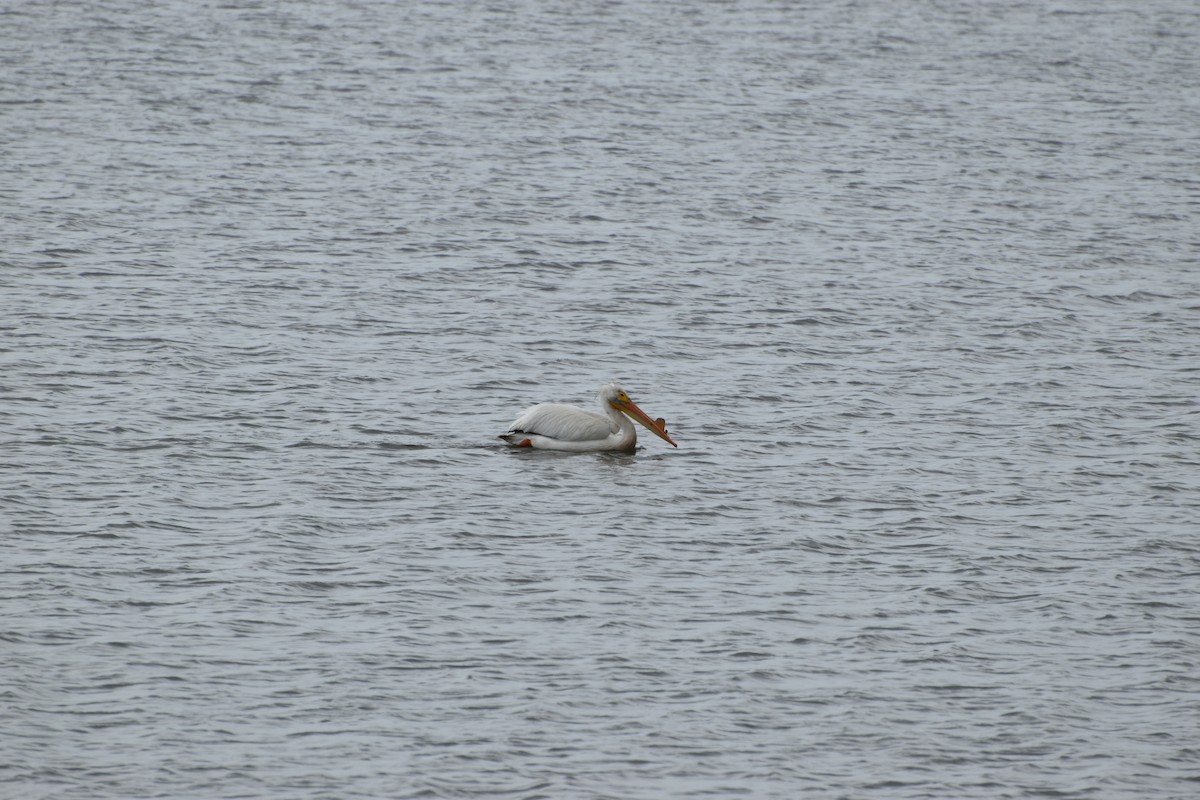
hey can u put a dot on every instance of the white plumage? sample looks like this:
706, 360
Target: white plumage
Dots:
560, 421
554, 426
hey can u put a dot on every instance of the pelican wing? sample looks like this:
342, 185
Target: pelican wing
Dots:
563, 422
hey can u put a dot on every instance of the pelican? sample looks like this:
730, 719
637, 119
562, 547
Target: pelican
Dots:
554, 426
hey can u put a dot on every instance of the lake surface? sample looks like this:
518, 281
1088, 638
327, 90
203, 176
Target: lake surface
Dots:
916, 287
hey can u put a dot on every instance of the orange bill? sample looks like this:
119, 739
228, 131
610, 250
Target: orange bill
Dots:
657, 426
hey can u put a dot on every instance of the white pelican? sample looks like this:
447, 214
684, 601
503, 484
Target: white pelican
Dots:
554, 426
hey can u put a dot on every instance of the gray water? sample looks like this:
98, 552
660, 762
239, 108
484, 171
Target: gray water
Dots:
916, 286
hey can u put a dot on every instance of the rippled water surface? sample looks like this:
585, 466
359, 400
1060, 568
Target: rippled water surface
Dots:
915, 285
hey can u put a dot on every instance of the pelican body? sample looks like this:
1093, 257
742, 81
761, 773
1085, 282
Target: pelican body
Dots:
554, 426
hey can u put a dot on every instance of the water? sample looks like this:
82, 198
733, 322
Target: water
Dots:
915, 285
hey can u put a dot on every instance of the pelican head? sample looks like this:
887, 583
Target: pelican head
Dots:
613, 395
